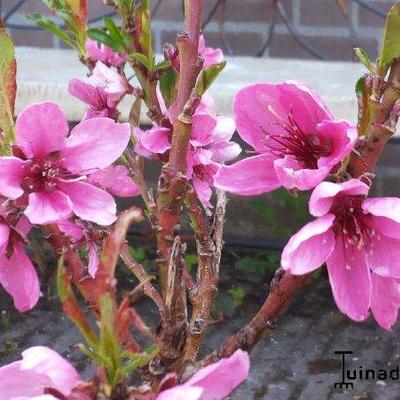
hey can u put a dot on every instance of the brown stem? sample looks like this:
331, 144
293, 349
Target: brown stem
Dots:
188, 44
283, 288
140, 273
209, 247
172, 187
381, 126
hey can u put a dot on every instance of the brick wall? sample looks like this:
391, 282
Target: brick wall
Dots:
318, 22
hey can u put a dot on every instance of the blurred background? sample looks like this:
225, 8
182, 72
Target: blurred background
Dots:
306, 29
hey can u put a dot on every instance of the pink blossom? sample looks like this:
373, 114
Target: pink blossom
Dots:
17, 274
359, 239
102, 91
296, 140
100, 52
85, 234
214, 382
50, 168
40, 372
210, 145
210, 55
115, 180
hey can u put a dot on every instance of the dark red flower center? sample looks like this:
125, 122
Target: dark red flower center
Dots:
351, 222
306, 148
43, 174
203, 173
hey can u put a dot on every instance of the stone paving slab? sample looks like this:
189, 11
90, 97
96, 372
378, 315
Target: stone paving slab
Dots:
43, 74
295, 361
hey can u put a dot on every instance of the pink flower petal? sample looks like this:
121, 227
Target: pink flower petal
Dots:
40, 368
23, 225
307, 106
95, 143
12, 172
350, 280
310, 247
14, 383
385, 300
48, 207
100, 52
293, 176
19, 278
110, 81
210, 55
225, 151
84, 91
342, 137
115, 179
180, 393
4, 236
202, 129
323, 196
388, 207
93, 265
383, 254
248, 177
70, 229
156, 140
387, 227
262, 109
43, 360
41, 129
90, 203
257, 112
220, 379
203, 191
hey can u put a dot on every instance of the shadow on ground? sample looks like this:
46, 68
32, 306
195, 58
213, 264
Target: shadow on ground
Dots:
295, 361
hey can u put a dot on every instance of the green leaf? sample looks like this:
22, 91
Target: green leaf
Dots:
62, 288
103, 37
168, 88
138, 360
190, 260
223, 303
360, 85
143, 32
108, 347
364, 59
142, 59
208, 76
363, 104
163, 65
390, 49
128, 6
51, 27
237, 294
114, 32
8, 90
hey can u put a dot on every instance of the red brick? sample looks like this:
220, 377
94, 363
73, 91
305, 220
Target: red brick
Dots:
29, 6
367, 18
241, 43
33, 38
332, 47
170, 10
168, 37
98, 8
252, 11
321, 13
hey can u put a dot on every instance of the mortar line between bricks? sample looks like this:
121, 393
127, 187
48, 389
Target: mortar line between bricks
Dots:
261, 28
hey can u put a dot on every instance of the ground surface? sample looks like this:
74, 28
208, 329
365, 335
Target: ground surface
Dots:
297, 360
